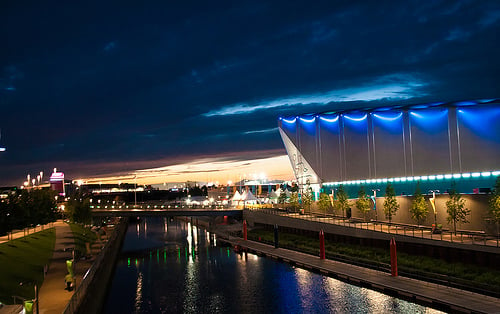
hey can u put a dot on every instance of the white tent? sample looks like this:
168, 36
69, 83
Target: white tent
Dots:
236, 198
273, 196
248, 198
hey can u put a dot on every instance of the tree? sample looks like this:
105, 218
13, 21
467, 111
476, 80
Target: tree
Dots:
25, 208
282, 197
391, 205
324, 203
419, 209
494, 205
78, 209
343, 200
294, 200
363, 202
455, 207
307, 198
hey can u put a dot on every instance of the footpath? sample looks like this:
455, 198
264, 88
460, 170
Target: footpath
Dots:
52, 296
441, 297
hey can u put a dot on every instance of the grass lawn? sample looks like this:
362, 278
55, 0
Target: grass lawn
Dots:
81, 236
23, 260
459, 273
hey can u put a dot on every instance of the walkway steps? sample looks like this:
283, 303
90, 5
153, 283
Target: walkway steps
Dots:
437, 296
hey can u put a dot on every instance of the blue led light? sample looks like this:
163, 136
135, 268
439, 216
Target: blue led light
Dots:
475, 174
466, 103
432, 177
440, 177
448, 176
486, 174
388, 118
308, 120
429, 114
465, 175
457, 175
329, 120
431, 120
357, 119
423, 178
289, 121
482, 121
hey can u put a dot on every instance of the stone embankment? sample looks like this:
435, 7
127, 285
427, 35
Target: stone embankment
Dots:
91, 292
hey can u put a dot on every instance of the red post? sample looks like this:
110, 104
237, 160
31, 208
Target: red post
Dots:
321, 245
394, 259
244, 230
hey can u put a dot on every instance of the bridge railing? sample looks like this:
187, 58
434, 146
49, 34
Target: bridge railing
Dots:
424, 232
153, 206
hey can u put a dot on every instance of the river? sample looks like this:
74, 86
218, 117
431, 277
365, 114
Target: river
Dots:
171, 266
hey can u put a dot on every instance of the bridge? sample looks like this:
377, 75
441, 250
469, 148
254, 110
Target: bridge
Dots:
169, 212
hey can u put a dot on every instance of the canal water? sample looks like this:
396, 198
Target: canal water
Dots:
172, 266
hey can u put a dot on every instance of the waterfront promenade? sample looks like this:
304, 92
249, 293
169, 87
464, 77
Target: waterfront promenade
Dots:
53, 297
441, 297
468, 238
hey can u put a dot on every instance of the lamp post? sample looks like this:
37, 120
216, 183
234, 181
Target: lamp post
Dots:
433, 204
374, 199
135, 190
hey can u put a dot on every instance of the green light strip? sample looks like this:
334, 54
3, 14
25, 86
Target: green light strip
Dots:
437, 177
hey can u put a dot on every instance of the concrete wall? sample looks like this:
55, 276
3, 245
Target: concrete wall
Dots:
90, 294
478, 219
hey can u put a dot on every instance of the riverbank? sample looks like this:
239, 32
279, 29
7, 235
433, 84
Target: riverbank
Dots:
90, 294
425, 293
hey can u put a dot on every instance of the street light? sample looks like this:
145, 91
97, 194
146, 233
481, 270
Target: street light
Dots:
374, 199
135, 190
433, 204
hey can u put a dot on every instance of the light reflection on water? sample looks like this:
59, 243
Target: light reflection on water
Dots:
175, 267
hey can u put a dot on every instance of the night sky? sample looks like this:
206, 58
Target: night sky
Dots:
99, 87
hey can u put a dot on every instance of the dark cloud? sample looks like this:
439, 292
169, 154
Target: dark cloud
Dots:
112, 83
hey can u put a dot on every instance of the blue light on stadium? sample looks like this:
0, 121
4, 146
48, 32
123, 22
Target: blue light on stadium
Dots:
289, 121
329, 120
354, 118
308, 120
387, 117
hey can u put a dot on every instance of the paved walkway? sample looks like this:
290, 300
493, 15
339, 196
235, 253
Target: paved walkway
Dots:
412, 231
450, 299
53, 297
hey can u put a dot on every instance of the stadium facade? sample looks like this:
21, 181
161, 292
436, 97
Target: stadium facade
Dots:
432, 144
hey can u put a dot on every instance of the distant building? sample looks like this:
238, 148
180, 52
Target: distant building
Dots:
57, 183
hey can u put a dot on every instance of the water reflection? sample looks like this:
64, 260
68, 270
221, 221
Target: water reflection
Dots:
176, 267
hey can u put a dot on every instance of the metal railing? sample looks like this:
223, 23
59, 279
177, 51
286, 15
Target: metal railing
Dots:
424, 232
442, 279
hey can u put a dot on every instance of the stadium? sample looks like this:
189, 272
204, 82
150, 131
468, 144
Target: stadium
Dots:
433, 144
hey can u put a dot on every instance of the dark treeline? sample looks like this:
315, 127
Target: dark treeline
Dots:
26, 208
